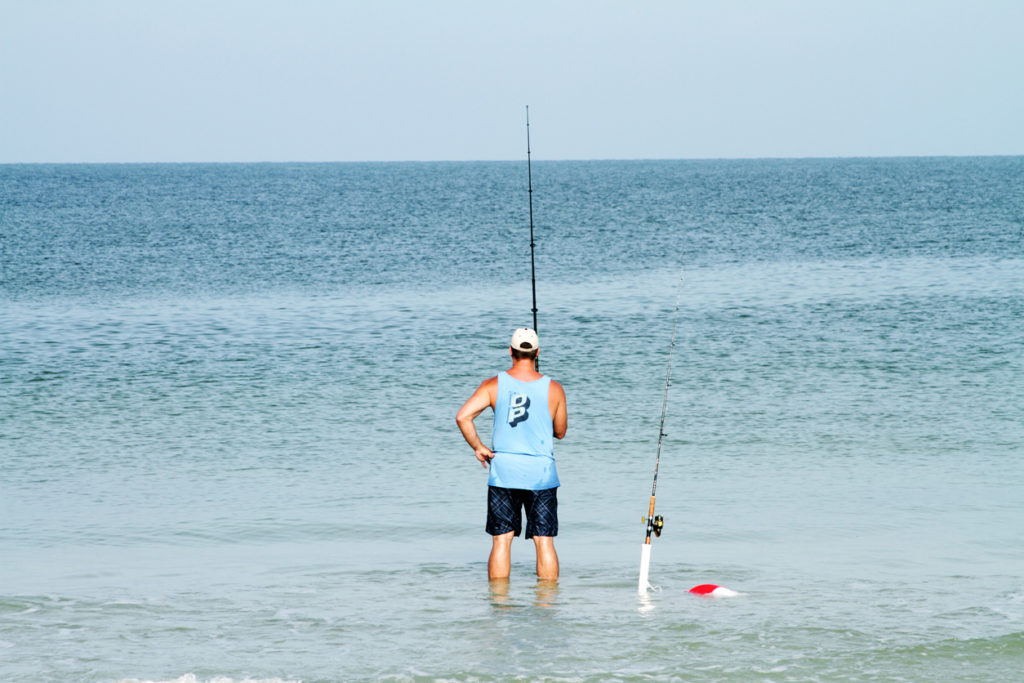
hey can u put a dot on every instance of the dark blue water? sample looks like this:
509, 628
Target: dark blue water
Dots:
97, 230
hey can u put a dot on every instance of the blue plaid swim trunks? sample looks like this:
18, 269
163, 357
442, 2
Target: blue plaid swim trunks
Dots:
504, 511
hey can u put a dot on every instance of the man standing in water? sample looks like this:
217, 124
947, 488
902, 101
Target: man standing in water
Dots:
529, 413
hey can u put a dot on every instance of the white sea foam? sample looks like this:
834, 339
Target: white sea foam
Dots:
191, 678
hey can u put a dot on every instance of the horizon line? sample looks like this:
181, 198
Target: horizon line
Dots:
478, 161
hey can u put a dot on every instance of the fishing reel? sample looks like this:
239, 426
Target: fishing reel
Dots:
657, 524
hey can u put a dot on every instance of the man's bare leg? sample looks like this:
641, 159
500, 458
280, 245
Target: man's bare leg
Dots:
547, 558
499, 591
499, 564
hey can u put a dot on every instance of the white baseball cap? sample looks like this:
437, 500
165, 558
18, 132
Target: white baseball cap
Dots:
524, 339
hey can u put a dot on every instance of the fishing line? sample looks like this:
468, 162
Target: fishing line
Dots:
656, 523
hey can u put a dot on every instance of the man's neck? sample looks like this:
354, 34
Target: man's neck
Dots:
523, 369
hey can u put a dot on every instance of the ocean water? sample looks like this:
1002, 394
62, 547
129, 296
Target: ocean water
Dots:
228, 449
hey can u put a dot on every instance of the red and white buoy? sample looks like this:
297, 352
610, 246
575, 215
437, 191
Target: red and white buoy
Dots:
710, 590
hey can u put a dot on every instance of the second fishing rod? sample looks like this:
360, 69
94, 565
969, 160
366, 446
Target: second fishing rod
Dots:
655, 523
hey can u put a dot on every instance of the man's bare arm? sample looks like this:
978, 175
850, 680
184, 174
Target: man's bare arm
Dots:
481, 399
559, 413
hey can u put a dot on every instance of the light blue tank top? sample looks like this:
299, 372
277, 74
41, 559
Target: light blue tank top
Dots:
522, 439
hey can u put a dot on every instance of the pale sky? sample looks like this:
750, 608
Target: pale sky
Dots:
389, 80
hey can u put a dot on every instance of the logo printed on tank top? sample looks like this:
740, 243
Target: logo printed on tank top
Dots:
518, 409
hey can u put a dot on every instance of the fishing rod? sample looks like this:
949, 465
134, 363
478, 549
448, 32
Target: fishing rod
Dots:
656, 523
533, 271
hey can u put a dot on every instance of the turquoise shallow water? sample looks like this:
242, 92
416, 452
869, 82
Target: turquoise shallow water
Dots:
228, 446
